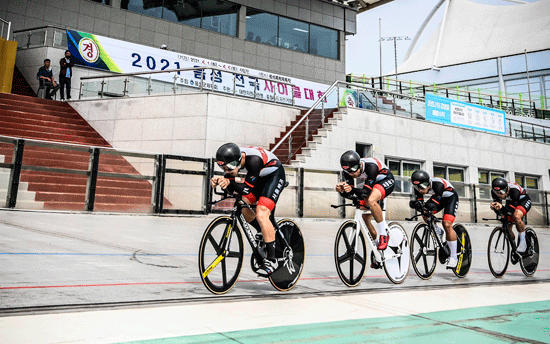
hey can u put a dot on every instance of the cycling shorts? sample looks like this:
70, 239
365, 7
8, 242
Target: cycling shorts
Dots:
266, 190
524, 205
448, 204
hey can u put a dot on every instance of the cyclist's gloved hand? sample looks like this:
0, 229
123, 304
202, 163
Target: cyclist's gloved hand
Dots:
413, 204
431, 207
363, 193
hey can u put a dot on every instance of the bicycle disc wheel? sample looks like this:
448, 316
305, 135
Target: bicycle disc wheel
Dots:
423, 251
397, 268
286, 277
219, 263
350, 257
530, 260
498, 252
464, 251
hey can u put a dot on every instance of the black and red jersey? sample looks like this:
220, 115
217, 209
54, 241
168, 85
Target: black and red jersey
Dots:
516, 194
258, 163
441, 188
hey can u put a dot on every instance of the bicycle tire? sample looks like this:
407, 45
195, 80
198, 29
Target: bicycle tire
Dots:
464, 251
340, 259
216, 280
498, 247
530, 260
287, 276
423, 245
397, 269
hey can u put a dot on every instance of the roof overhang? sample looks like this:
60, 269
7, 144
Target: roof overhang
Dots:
362, 5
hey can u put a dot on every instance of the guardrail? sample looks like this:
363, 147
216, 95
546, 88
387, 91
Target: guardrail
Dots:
48, 35
7, 25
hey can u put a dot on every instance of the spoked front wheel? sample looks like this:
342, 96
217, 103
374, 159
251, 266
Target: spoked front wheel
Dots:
289, 245
530, 259
464, 251
397, 268
498, 252
221, 254
350, 254
423, 251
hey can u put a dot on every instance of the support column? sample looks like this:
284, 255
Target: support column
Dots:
241, 23
501, 85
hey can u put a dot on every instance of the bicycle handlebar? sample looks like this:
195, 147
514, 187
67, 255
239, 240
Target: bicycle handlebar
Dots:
345, 205
435, 219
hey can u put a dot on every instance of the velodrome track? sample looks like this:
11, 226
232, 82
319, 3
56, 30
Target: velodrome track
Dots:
64, 263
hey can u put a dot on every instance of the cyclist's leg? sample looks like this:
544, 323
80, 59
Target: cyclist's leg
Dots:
521, 210
450, 204
380, 190
368, 221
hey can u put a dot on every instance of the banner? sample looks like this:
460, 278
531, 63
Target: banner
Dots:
349, 98
124, 57
466, 115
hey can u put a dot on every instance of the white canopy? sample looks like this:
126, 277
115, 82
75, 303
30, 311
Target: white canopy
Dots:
474, 32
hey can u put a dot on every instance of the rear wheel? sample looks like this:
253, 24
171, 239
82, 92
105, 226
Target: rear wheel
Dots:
530, 259
289, 246
423, 251
397, 268
221, 254
498, 252
350, 256
464, 251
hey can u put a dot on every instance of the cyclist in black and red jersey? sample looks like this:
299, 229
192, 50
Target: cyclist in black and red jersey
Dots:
443, 196
379, 183
518, 203
264, 181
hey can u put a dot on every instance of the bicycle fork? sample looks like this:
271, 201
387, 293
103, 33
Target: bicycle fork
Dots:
226, 241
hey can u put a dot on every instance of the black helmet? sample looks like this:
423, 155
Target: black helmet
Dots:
420, 180
500, 185
228, 156
350, 161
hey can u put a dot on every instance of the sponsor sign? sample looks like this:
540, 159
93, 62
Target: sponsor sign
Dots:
124, 57
349, 98
466, 115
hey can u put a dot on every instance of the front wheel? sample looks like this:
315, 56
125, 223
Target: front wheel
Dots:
221, 254
397, 268
290, 248
530, 259
423, 251
498, 252
350, 254
464, 251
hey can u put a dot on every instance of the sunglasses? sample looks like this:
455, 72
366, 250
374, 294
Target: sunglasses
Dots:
501, 191
421, 186
351, 169
230, 166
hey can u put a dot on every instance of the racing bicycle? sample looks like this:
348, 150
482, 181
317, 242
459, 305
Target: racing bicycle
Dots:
350, 251
221, 251
502, 248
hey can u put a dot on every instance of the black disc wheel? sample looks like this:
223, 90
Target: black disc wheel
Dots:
350, 254
290, 247
530, 259
463, 251
221, 254
423, 251
498, 252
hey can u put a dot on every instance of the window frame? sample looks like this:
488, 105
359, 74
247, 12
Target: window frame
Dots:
447, 167
400, 180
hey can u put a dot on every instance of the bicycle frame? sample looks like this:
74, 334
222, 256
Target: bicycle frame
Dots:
505, 228
363, 227
432, 220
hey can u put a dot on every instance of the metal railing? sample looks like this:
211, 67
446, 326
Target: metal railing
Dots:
513, 106
5, 25
49, 35
127, 84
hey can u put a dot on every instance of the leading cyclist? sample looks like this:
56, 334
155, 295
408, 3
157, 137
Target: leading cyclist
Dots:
518, 203
264, 181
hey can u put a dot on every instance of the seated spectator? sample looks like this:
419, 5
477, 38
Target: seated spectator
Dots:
45, 77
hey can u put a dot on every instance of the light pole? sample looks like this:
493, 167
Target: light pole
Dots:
395, 39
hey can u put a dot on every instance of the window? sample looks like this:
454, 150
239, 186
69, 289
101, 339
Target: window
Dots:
453, 174
105, 2
402, 171
214, 15
531, 186
291, 34
485, 178
364, 150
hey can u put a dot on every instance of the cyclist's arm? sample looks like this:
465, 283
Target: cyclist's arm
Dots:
495, 198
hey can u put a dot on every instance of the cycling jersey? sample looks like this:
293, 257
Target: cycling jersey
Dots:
443, 196
376, 175
517, 198
265, 177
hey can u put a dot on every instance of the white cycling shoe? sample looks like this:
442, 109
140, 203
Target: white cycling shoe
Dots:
452, 263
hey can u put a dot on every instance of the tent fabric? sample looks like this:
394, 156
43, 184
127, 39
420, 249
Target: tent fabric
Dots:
474, 32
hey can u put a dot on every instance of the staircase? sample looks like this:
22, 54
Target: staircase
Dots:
40, 119
306, 136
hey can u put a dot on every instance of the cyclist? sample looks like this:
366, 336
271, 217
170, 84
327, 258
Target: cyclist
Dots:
379, 183
264, 181
518, 203
443, 196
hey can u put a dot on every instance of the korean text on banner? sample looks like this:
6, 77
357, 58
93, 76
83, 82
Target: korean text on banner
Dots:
466, 115
124, 57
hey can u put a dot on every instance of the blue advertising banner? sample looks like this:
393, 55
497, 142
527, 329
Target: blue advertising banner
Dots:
466, 115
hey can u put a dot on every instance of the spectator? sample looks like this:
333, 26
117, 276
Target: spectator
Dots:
65, 74
45, 77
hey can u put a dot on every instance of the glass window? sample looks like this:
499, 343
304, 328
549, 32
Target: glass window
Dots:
519, 180
456, 174
483, 177
188, 13
219, 16
323, 42
395, 167
106, 2
150, 8
531, 183
409, 168
440, 172
293, 35
261, 27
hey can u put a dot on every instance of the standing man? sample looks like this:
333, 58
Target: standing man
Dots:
45, 77
65, 74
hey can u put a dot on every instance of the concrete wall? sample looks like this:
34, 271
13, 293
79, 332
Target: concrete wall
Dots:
114, 22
